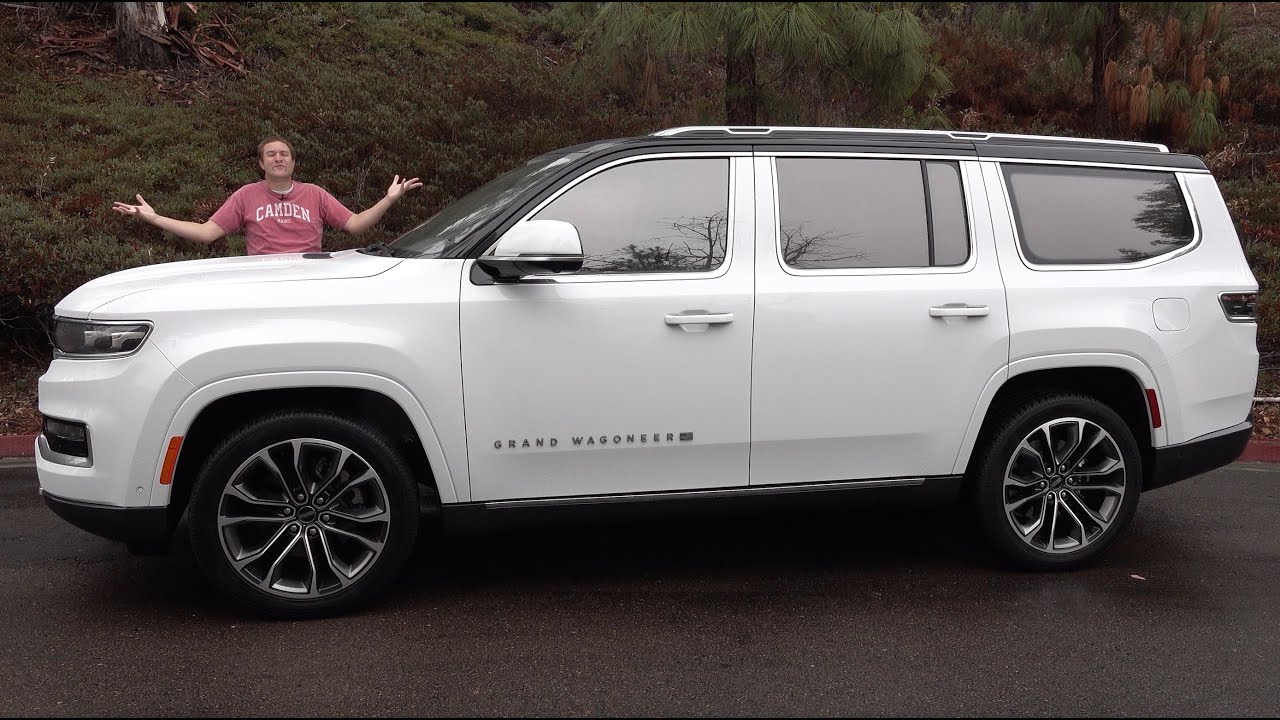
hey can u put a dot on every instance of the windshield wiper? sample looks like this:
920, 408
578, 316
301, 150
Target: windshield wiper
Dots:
384, 250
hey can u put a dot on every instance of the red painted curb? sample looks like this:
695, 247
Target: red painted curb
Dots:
17, 446
1261, 451
12, 446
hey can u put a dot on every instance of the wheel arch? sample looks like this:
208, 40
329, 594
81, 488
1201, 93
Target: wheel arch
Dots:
1118, 381
209, 412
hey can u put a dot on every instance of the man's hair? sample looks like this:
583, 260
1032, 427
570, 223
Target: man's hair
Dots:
262, 145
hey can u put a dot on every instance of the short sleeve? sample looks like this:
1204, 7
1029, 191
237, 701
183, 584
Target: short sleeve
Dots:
230, 217
333, 213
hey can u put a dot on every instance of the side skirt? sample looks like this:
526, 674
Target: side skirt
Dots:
774, 498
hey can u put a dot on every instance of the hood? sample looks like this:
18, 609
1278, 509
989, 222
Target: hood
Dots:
222, 271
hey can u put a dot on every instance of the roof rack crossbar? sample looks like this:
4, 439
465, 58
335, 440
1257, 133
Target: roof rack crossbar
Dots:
954, 135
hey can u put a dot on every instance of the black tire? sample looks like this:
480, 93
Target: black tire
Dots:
996, 502
396, 495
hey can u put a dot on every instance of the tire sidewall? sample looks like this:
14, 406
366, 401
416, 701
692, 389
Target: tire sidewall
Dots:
397, 479
989, 495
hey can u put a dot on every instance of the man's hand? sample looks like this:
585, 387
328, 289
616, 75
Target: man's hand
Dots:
362, 221
142, 209
397, 188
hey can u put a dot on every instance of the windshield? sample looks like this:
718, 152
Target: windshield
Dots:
457, 220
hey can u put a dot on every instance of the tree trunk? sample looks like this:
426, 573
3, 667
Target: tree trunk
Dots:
140, 40
740, 92
1104, 46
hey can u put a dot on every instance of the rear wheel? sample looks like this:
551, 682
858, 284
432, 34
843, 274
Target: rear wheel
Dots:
1058, 482
303, 514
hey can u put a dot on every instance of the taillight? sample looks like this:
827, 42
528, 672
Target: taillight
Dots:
1240, 307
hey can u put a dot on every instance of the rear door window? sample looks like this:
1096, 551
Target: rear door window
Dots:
1097, 216
870, 213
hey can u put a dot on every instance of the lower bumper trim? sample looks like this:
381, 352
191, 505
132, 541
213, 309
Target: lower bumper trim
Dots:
1209, 452
138, 527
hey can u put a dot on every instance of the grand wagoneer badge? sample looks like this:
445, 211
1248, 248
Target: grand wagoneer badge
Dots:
593, 440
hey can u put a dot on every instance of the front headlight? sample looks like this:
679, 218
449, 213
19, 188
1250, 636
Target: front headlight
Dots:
82, 338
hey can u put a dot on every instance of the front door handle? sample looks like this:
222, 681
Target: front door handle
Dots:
959, 310
698, 320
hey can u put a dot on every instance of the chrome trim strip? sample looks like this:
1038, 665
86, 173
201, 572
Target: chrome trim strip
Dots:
534, 258
867, 155
1084, 163
1211, 436
720, 492
951, 134
976, 158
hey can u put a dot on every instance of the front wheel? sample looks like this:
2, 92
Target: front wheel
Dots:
303, 514
1058, 482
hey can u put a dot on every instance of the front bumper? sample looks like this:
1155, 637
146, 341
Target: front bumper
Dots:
126, 405
139, 527
1207, 452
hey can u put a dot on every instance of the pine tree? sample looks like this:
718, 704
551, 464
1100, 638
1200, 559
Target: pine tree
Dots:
1098, 34
879, 47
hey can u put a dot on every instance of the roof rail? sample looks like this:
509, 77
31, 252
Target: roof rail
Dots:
954, 135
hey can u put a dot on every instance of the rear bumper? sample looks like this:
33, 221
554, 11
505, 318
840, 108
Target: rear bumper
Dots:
1208, 452
139, 527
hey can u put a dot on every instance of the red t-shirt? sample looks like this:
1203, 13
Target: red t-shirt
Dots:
281, 222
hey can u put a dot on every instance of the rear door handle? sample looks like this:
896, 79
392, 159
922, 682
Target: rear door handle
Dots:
959, 310
699, 317
698, 320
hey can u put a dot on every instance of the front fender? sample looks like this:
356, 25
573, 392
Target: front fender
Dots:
212, 392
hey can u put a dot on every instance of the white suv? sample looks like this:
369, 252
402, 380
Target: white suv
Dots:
1041, 327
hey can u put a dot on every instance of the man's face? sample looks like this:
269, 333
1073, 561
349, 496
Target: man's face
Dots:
276, 161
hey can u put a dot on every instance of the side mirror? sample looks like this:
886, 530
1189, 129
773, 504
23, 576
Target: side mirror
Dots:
536, 247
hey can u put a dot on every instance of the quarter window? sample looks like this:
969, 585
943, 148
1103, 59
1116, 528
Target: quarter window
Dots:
1092, 216
650, 216
869, 213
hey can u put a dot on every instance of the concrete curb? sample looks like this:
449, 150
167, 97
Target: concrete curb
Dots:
23, 446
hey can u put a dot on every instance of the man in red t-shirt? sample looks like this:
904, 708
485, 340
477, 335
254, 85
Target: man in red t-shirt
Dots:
277, 214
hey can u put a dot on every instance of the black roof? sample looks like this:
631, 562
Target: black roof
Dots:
976, 145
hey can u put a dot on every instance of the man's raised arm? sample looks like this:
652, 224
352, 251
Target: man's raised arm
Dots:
205, 232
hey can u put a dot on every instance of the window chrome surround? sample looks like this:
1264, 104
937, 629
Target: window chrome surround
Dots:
966, 177
60, 355
749, 131
1196, 236
1081, 163
723, 269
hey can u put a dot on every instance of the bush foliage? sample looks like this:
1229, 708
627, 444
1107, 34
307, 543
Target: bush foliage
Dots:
457, 93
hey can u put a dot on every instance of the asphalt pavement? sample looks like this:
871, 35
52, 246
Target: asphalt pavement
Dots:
884, 611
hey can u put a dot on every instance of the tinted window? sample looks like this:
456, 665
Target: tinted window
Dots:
650, 216
947, 215
866, 213
1075, 215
